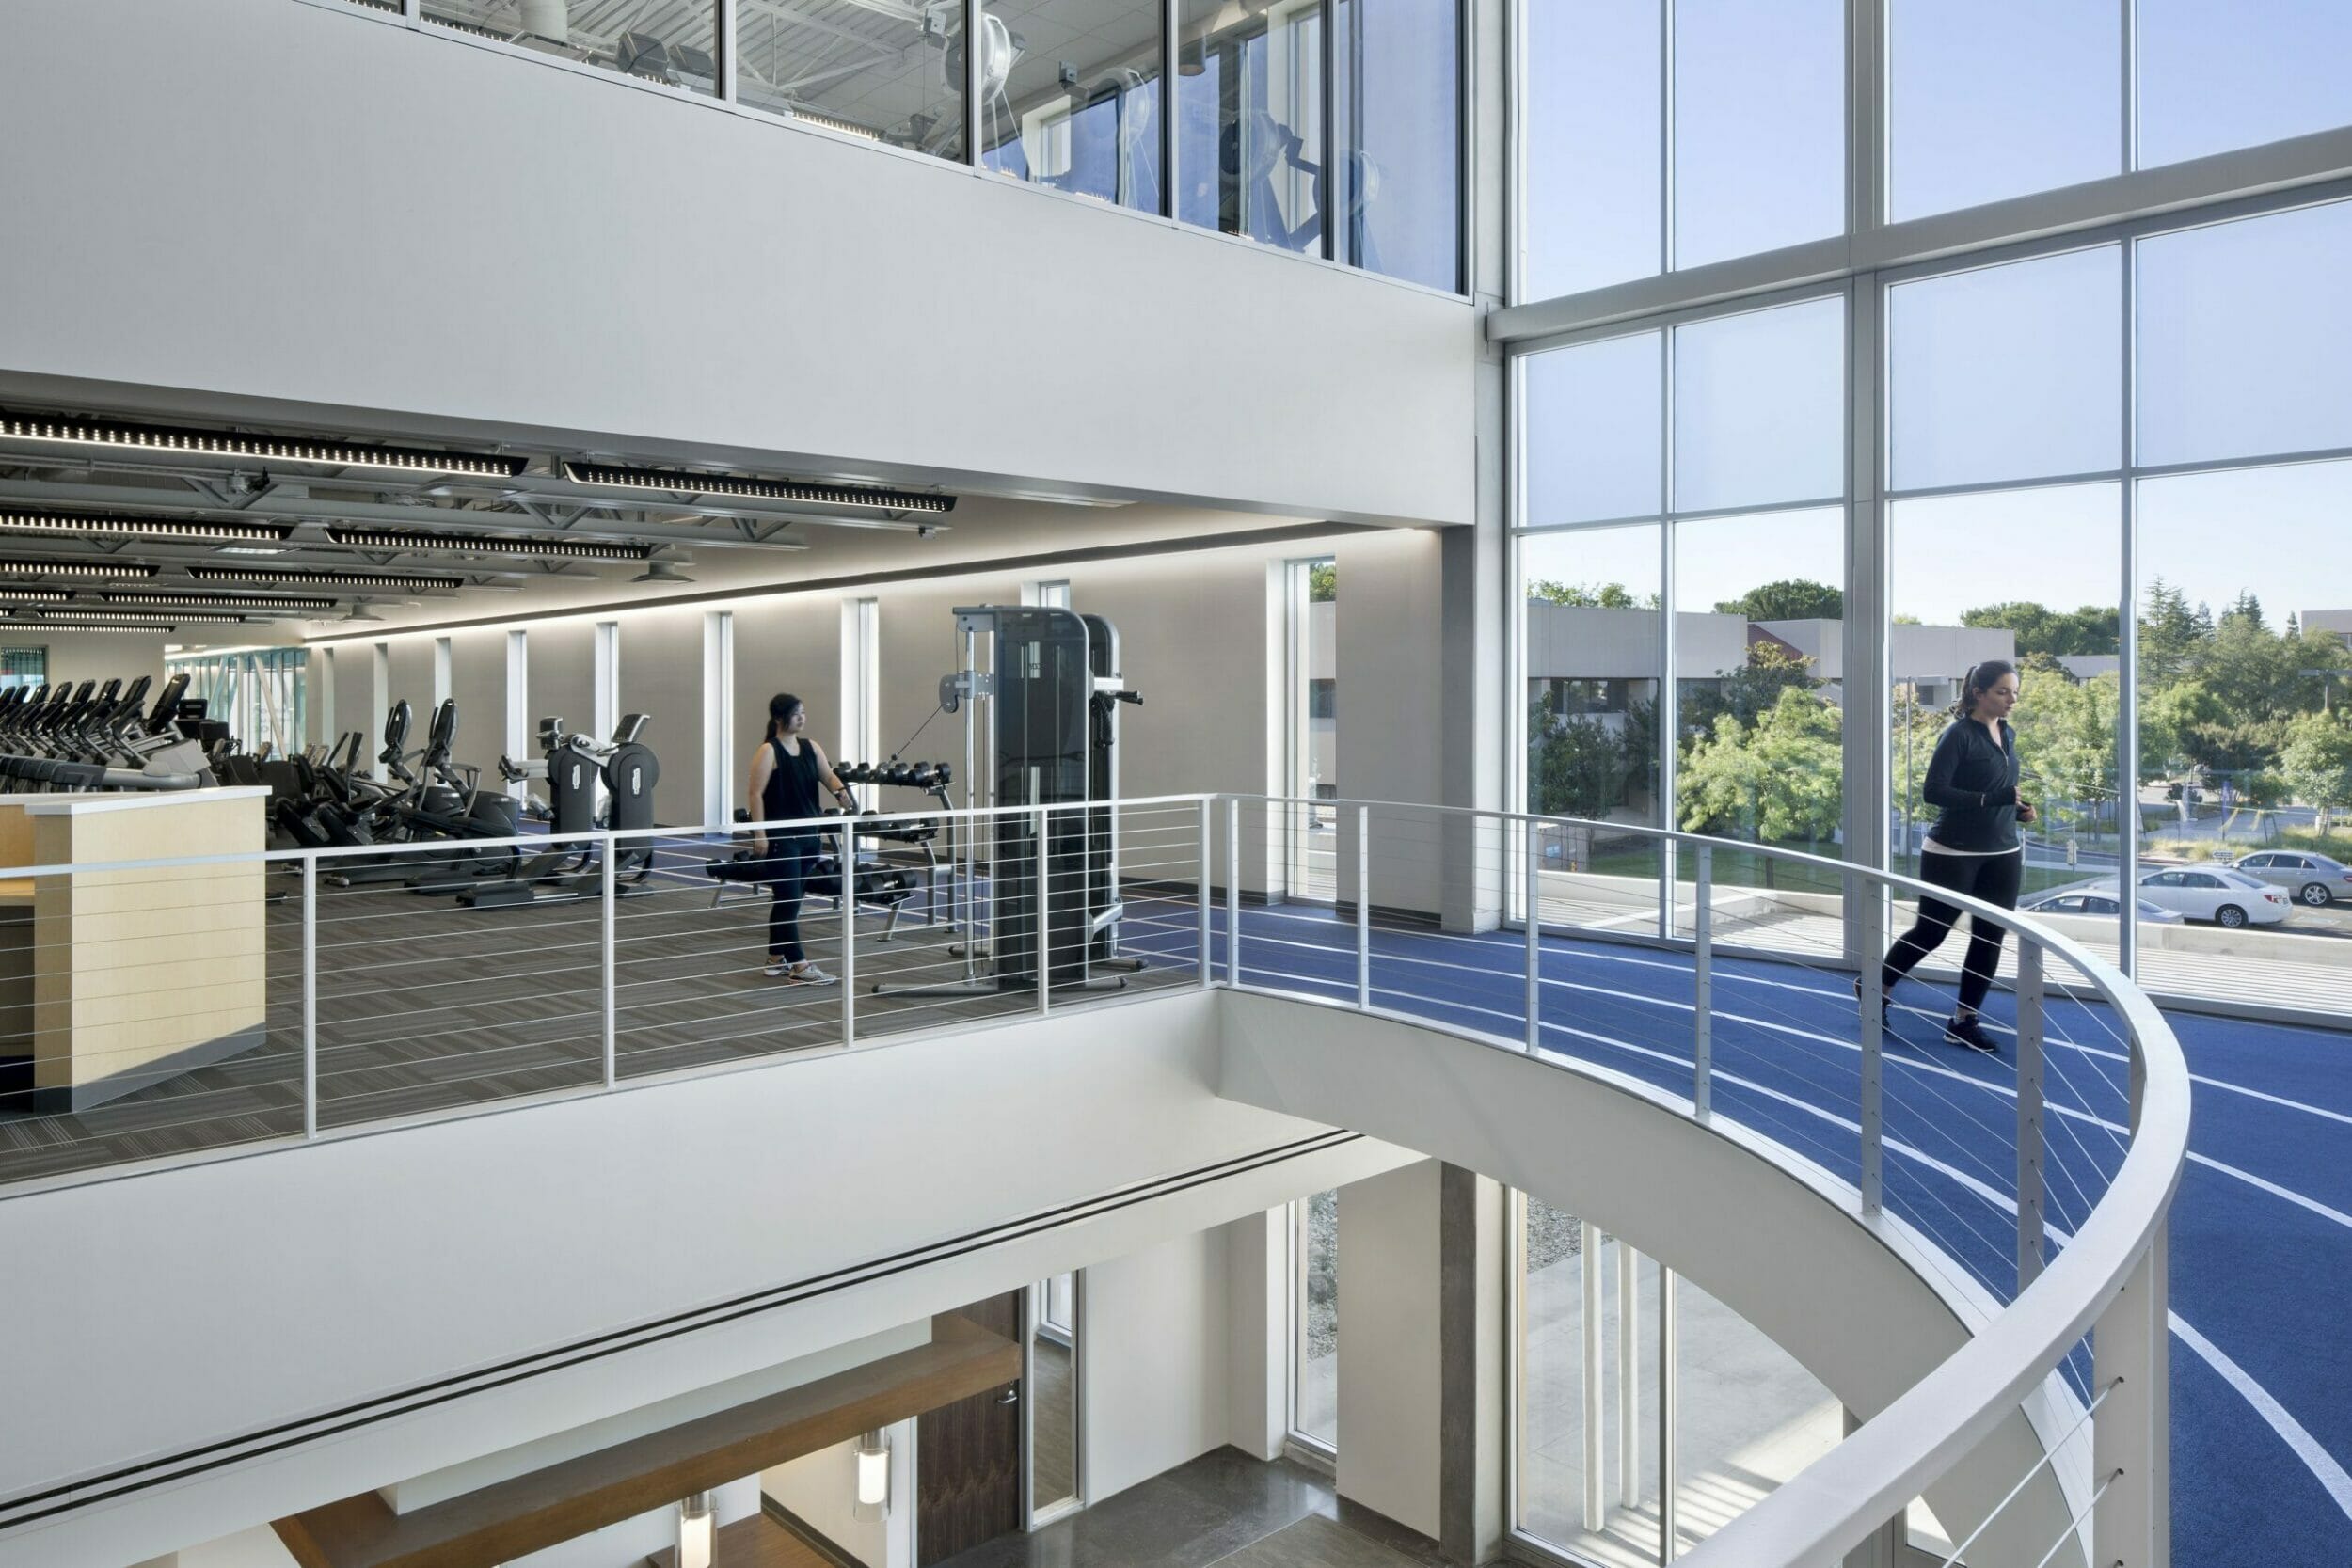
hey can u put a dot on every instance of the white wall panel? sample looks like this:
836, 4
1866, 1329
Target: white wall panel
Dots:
935, 330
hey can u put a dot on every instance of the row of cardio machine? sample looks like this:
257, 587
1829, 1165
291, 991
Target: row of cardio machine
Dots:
102, 737
323, 799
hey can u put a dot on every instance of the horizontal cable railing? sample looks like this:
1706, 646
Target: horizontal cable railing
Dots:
186, 1005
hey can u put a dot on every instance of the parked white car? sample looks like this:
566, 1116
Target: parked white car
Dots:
2219, 893
2099, 903
2318, 880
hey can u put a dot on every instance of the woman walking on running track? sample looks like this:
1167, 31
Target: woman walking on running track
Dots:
785, 776
1972, 848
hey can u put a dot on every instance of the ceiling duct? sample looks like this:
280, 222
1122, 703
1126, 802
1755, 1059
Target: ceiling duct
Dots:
233, 446
679, 481
661, 571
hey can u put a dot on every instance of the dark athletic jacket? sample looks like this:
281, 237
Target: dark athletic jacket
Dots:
1973, 783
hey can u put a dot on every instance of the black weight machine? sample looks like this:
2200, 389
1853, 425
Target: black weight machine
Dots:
1045, 711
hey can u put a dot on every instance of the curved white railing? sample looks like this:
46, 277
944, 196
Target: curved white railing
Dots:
1443, 914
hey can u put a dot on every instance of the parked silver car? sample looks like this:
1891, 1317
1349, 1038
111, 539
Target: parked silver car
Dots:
2318, 880
2099, 903
2216, 892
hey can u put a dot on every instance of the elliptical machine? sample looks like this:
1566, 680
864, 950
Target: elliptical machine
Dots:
574, 765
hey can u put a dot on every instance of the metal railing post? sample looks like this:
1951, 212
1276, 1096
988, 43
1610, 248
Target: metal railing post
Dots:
1629, 1374
1534, 1000
610, 901
1044, 926
2128, 1348
849, 931
310, 997
1874, 924
1363, 907
1207, 893
1596, 1412
1703, 1010
2030, 990
1233, 891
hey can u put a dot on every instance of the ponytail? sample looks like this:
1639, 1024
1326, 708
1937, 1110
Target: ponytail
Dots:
1980, 678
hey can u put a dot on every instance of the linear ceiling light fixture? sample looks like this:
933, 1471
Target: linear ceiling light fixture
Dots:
98, 570
485, 544
250, 603
677, 481
34, 596
51, 430
147, 628
321, 578
843, 127
195, 529
71, 616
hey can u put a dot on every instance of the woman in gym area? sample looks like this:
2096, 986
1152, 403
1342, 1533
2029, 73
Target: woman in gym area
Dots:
786, 776
1972, 848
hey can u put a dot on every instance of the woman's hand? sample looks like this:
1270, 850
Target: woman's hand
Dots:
759, 844
2025, 812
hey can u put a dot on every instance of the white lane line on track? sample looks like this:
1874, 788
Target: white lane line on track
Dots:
2318, 1460
1735, 978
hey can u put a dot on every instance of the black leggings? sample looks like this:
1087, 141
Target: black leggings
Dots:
790, 858
1992, 878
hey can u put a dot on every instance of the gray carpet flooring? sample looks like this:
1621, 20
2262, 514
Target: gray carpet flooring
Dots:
424, 1005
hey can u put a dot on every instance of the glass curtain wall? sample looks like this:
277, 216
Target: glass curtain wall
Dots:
1684, 480
1312, 832
1587, 1310
2110, 458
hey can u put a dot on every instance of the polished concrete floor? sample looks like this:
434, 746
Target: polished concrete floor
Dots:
1223, 1507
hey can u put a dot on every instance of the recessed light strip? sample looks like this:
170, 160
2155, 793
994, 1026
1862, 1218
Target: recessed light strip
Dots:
198, 530
87, 569
319, 578
149, 628
677, 481
70, 616
485, 544
53, 429
250, 603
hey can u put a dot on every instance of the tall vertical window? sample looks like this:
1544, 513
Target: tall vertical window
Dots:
861, 685
1716, 446
1070, 96
1316, 1321
23, 667
1311, 705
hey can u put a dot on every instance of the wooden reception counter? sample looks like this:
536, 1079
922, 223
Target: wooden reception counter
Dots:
111, 981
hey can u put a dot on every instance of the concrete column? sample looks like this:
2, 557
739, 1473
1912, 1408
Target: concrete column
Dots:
1474, 1317
1257, 1377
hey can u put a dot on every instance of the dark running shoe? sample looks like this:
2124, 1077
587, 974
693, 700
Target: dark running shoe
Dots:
1968, 1032
1886, 999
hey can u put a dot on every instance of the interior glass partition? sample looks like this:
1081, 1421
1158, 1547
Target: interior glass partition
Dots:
1395, 89
1070, 96
1249, 98
1051, 1378
675, 42
892, 74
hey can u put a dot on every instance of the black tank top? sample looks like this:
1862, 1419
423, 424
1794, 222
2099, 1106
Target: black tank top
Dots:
792, 788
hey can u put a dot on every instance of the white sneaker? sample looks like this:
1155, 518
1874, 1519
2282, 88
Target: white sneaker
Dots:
775, 969
808, 974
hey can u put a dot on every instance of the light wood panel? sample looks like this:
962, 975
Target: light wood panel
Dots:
499, 1523
133, 975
